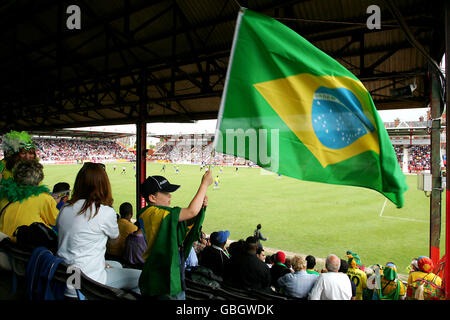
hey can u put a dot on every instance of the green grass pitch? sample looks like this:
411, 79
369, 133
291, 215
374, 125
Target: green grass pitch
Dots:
296, 216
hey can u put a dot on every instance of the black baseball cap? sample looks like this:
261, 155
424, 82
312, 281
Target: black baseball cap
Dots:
155, 184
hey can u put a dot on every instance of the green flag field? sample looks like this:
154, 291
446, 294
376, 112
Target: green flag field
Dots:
297, 216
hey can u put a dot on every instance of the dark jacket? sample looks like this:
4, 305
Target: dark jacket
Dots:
277, 271
214, 259
248, 272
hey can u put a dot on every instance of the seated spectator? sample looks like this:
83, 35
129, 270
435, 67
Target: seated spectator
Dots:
299, 283
191, 261
288, 264
270, 260
358, 276
236, 249
344, 269
60, 193
215, 257
391, 287
260, 253
432, 283
84, 226
331, 285
24, 201
279, 269
201, 243
246, 270
135, 246
116, 249
16, 146
310, 264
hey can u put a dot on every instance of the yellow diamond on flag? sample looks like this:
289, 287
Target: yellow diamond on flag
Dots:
328, 114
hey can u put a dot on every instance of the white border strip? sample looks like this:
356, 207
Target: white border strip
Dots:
227, 78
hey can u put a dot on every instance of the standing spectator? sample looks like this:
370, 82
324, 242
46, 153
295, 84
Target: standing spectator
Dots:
344, 269
215, 256
424, 284
258, 235
84, 226
310, 264
332, 285
391, 287
24, 201
170, 233
358, 277
356, 258
279, 269
246, 270
126, 227
299, 283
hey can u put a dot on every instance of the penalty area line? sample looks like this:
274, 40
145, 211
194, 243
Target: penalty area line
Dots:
398, 218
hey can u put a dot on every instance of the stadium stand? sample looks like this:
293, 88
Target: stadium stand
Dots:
419, 158
76, 149
67, 149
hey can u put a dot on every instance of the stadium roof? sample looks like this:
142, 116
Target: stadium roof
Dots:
166, 61
80, 134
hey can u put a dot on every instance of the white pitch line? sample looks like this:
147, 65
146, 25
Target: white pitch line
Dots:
398, 218
382, 209
407, 219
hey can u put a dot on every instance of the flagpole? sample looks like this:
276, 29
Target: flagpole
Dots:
447, 138
225, 87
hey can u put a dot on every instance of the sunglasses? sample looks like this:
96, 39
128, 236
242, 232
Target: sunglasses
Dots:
62, 194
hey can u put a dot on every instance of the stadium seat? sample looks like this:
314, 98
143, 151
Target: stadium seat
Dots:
263, 295
219, 293
91, 289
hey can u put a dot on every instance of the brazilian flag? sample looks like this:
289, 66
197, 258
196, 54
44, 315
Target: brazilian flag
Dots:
293, 110
168, 240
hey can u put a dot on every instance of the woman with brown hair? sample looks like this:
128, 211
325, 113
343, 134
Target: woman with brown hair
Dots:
86, 223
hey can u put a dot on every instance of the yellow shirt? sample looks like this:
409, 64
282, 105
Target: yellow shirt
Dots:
41, 208
391, 286
359, 277
5, 173
412, 284
125, 229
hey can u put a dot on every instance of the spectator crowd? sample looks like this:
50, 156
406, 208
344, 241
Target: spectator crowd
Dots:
154, 256
77, 149
419, 158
